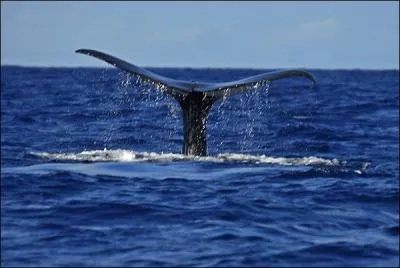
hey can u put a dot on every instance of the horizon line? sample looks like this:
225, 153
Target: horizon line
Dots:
201, 67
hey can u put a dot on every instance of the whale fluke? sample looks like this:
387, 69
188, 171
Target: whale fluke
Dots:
174, 86
196, 98
219, 89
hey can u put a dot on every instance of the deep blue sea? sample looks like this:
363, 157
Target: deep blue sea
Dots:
92, 172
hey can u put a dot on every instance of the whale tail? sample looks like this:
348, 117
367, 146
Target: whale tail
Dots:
196, 98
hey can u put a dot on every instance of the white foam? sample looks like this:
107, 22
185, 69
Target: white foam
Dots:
132, 156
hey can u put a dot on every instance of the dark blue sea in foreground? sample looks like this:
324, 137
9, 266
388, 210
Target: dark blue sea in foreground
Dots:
92, 175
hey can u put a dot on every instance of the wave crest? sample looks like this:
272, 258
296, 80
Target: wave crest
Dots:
121, 155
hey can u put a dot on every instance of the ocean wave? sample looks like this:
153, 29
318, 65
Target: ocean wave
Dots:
121, 155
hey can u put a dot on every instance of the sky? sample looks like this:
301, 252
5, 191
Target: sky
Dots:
228, 34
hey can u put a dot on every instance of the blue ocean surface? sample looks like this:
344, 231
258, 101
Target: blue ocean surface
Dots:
92, 172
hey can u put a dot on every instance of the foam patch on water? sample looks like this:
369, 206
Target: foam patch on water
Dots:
132, 156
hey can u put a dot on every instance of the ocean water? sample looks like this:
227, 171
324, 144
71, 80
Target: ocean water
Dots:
92, 175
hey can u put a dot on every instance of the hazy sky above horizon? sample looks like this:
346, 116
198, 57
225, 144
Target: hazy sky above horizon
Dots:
203, 34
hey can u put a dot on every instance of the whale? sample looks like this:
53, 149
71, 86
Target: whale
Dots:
195, 97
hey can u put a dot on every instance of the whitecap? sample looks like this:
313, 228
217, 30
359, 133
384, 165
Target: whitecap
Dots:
121, 155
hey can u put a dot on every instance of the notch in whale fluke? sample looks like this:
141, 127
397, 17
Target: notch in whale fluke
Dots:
196, 98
